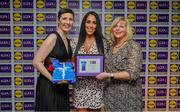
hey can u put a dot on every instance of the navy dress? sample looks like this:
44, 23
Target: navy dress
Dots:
49, 96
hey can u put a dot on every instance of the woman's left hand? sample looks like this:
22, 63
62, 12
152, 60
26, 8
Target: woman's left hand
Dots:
103, 76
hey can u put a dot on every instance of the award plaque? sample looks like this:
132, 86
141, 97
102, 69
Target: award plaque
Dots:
89, 65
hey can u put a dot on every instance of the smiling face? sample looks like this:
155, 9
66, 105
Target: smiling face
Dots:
65, 22
120, 30
90, 25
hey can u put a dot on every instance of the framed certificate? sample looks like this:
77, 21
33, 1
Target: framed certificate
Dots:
89, 65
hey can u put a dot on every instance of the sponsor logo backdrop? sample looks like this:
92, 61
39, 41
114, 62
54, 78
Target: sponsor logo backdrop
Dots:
156, 26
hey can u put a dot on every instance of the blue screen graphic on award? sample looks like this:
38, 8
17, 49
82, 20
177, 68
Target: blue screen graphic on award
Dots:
89, 65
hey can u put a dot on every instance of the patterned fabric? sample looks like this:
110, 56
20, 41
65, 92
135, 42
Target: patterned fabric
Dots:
88, 90
124, 95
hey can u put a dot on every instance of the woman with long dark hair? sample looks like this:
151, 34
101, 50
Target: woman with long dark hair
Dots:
87, 95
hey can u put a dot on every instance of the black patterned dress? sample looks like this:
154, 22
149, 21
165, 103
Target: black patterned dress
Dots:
88, 90
49, 96
124, 95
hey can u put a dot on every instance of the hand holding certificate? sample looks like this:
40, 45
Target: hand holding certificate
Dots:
89, 65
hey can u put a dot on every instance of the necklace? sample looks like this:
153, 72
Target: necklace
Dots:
120, 45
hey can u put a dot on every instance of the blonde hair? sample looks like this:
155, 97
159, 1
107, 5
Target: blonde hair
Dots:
129, 33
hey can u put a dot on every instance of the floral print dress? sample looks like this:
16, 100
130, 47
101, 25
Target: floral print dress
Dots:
124, 95
88, 90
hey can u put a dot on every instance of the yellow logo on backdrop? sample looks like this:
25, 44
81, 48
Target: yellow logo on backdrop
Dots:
108, 17
86, 4
19, 105
151, 92
153, 5
18, 81
131, 5
172, 92
172, 104
152, 67
40, 30
152, 43
175, 18
17, 17
18, 55
152, 55
17, 42
39, 42
152, 80
18, 68
153, 17
151, 104
175, 30
108, 4
107, 30
17, 29
174, 68
63, 4
131, 17
153, 30
174, 43
133, 29
40, 17
40, 4
173, 80
17, 3
18, 94
175, 5
174, 55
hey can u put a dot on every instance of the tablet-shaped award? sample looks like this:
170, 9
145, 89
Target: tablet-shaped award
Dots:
89, 65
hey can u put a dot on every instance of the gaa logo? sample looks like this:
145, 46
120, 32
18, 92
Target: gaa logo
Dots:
18, 81
173, 80
17, 43
107, 30
151, 104
175, 30
152, 55
131, 5
152, 80
131, 17
153, 5
17, 30
40, 30
19, 105
17, 17
108, 4
174, 68
172, 104
172, 92
175, 5
18, 68
17, 4
40, 4
153, 17
174, 43
40, 17
152, 67
86, 4
18, 55
39, 42
175, 18
63, 4
18, 93
174, 55
152, 43
153, 30
108, 17
151, 92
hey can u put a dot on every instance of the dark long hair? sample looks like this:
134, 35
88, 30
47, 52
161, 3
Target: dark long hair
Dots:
98, 33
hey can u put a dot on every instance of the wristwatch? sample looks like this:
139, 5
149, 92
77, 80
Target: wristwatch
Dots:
111, 75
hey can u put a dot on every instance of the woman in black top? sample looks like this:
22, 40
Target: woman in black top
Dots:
49, 96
